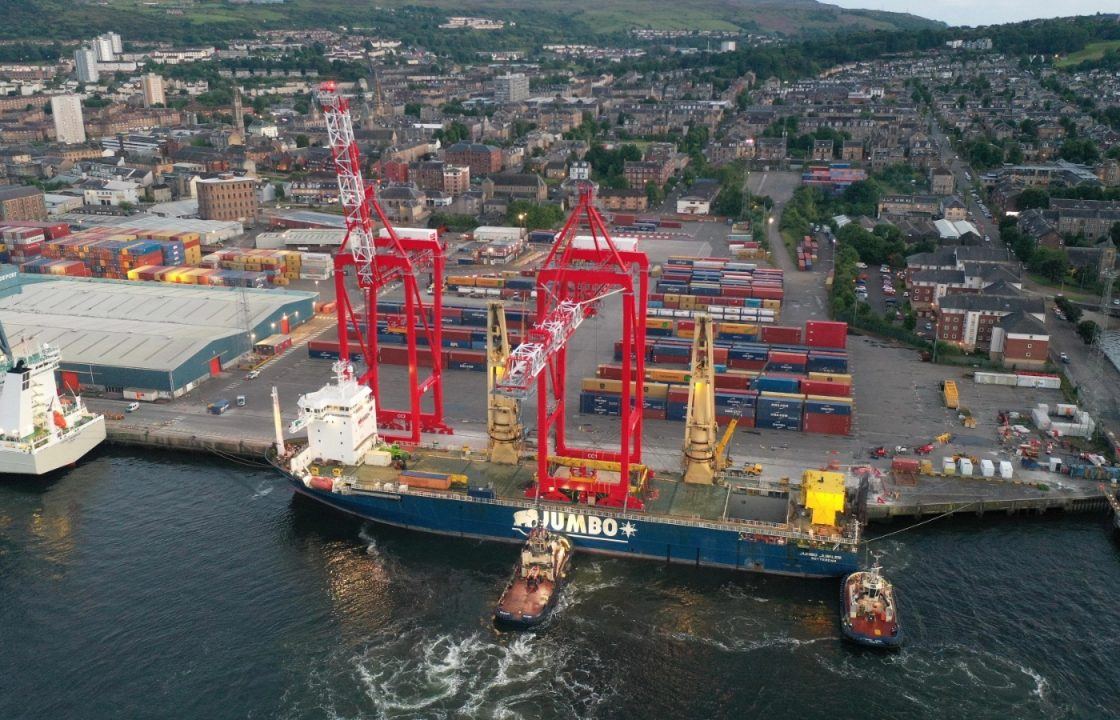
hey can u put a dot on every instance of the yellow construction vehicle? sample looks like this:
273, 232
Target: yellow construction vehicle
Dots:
723, 449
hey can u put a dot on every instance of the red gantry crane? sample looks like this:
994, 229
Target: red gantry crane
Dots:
379, 260
580, 270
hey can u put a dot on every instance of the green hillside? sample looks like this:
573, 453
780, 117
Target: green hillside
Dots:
215, 20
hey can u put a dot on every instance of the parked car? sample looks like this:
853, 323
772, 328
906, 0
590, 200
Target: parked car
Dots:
132, 407
253, 375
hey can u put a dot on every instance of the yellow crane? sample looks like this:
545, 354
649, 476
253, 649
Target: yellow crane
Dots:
700, 462
503, 413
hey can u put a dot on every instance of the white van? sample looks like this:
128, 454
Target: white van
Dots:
132, 407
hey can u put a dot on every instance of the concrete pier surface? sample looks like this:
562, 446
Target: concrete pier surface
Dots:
897, 402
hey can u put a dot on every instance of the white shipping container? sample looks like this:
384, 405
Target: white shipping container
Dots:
990, 378
1006, 469
964, 465
1048, 382
987, 468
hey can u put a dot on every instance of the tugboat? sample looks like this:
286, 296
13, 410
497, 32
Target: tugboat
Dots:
870, 612
532, 592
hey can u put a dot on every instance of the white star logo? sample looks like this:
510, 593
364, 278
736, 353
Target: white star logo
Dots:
628, 529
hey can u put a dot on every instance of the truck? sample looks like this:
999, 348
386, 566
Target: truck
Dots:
952, 397
218, 407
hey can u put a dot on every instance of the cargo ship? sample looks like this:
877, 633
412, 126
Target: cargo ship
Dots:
39, 431
811, 529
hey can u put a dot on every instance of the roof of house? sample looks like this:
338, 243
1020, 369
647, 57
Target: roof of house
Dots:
992, 303
11, 193
1021, 323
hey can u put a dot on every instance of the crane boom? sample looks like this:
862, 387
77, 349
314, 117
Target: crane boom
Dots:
545, 338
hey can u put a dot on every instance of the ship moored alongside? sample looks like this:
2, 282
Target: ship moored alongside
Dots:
40, 431
742, 524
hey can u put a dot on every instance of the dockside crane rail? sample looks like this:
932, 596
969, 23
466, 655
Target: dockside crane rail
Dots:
380, 259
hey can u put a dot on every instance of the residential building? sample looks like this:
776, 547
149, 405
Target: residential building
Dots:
638, 173
771, 149
103, 45
85, 65
941, 181
456, 179
822, 150
153, 90
481, 159
511, 88
405, 204
629, 199
1091, 218
852, 151
520, 186
909, 205
22, 203
1020, 341
969, 320
110, 193
697, 200
69, 127
953, 209
227, 198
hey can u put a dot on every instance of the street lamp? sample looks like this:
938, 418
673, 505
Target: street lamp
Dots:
521, 219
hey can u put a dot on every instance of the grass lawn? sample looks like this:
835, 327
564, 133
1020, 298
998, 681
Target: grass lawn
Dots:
1092, 51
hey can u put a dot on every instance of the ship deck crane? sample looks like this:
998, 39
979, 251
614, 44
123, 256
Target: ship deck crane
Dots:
701, 454
579, 271
503, 415
382, 259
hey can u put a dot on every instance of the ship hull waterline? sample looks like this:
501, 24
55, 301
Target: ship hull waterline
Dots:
611, 535
59, 454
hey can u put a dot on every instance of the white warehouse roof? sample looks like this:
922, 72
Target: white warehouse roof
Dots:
152, 326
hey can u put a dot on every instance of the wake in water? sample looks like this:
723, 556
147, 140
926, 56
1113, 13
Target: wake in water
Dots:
420, 674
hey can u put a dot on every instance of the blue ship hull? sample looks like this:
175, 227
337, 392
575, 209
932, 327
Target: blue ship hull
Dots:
606, 533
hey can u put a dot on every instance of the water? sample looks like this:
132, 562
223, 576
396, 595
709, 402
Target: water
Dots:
145, 587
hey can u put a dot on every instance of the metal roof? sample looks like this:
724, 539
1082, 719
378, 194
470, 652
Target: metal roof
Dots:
152, 326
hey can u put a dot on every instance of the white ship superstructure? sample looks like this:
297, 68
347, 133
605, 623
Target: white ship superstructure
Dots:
341, 423
40, 431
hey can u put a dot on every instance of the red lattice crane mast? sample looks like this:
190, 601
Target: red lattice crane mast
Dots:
579, 271
379, 260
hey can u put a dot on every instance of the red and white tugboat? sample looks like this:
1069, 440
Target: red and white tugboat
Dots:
532, 592
870, 615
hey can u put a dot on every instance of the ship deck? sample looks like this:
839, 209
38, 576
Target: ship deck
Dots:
743, 500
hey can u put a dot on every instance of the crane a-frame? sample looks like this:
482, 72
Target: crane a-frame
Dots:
579, 271
380, 260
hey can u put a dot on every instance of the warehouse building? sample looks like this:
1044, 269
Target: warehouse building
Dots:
161, 339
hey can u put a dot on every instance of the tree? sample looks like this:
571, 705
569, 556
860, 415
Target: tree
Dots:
1114, 234
1032, 198
1049, 263
1079, 151
1088, 331
1071, 311
533, 216
654, 195
302, 141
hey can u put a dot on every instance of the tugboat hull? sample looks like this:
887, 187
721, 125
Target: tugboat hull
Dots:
879, 634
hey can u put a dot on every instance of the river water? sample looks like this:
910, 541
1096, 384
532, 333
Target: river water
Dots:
168, 586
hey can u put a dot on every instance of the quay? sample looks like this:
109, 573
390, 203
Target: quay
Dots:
887, 501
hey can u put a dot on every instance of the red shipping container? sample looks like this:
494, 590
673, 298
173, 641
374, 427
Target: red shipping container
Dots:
826, 334
678, 394
781, 334
745, 423
905, 465
827, 424
767, 293
783, 356
609, 372
732, 382
744, 364
653, 413
828, 389
398, 355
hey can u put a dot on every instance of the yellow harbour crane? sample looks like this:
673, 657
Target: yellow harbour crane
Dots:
503, 413
701, 454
